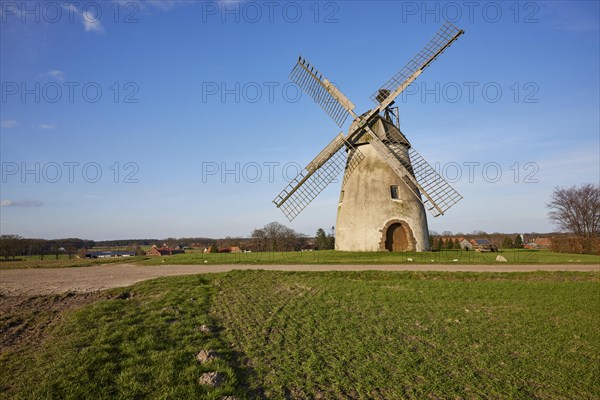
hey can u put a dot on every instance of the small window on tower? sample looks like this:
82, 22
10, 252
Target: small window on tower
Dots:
394, 191
341, 196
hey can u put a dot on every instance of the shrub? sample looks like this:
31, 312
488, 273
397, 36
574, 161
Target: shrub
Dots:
576, 245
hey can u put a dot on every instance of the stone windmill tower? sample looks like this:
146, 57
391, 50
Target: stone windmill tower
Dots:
387, 185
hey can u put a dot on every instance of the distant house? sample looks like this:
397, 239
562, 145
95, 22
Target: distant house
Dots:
482, 245
154, 251
109, 254
163, 251
465, 244
235, 249
538, 243
250, 247
542, 242
309, 246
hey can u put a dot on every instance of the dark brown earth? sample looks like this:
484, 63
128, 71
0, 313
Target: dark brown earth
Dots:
25, 320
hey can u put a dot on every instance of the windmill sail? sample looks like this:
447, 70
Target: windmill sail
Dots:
317, 175
425, 183
323, 92
447, 34
440, 196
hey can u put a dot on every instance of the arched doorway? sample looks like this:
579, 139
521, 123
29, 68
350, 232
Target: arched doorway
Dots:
396, 238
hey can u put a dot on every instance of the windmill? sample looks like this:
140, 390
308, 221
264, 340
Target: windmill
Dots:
387, 184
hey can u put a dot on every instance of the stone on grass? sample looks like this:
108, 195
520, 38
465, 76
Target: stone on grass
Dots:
205, 356
501, 259
206, 328
214, 379
125, 296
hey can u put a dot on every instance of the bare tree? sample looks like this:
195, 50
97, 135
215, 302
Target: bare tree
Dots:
11, 246
577, 209
277, 237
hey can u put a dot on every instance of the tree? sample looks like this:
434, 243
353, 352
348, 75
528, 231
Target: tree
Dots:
439, 244
576, 209
321, 239
259, 239
11, 246
39, 247
213, 248
277, 237
449, 244
507, 243
71, 250
456, 244
325, 241
331, 239
518, 243
431, 242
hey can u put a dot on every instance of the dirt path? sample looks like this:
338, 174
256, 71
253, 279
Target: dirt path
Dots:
41, 281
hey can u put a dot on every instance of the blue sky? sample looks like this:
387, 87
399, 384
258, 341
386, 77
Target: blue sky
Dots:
186, 110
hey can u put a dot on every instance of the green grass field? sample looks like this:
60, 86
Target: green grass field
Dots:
307, 335
513, 256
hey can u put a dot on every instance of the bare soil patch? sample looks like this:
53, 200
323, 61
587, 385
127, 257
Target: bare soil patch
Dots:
25, 320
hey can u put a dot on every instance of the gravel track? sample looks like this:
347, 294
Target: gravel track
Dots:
43, 281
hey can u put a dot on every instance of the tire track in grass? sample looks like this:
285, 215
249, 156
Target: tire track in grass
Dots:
230, 308
390, 335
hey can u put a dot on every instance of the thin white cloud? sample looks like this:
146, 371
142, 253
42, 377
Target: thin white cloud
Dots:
20, 203
54, 74
47, 126
91, 21
8, 123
